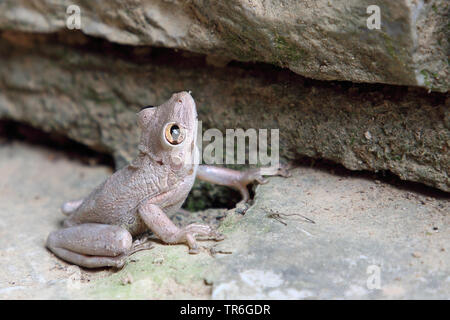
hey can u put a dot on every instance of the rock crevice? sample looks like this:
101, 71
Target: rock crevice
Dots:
90, 89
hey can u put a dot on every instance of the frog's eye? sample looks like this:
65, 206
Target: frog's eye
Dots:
173, 133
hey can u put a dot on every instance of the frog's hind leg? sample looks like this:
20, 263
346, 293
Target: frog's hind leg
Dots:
71, 206
92, 245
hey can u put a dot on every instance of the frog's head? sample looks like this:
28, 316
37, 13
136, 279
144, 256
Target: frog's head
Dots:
169, 132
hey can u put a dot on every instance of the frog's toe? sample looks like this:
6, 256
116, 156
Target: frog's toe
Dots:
120, 264
218, 236
198, 229
194, 250
141, 240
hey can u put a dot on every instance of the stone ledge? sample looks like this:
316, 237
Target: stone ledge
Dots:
320, 39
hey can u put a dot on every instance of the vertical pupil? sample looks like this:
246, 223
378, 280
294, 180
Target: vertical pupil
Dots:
175, 132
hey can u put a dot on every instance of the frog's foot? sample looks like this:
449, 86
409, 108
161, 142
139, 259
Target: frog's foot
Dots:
140, 245
71, 206
242, 207
92, 245
188, 234
198, 229
141, 239
167, 231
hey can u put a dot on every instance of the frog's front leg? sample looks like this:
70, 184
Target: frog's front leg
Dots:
158, 222
93, 245
234, 178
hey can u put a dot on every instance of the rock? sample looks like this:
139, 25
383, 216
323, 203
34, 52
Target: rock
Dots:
321, 39
90, 90
358, 248
35, 182
360, 231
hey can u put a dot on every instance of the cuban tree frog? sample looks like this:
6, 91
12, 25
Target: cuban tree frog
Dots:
99, 229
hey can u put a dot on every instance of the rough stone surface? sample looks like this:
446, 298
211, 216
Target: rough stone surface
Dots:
358, 223
360, 226
90, 90
35, 182
320, 39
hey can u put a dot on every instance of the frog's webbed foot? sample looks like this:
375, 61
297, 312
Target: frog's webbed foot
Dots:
191, 231
140, 244
198, 229
141, 240
158, 222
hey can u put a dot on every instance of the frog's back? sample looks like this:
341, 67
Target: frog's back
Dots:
115, 201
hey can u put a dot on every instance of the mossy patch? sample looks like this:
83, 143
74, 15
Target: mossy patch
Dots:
240, 47
390, 46
164, 271
429, 78
287, 51
229, 224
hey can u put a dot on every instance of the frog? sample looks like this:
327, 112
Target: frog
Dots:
99, 229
